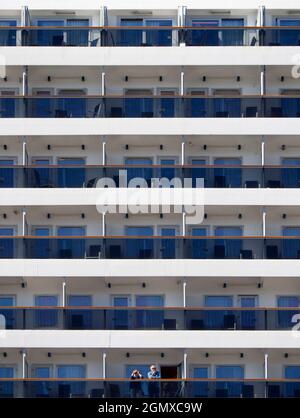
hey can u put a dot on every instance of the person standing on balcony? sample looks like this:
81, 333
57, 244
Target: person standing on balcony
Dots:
153, 386
135, 386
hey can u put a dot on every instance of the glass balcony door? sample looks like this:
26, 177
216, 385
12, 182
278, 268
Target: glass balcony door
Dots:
227, 106
139, 172
46, 318
168, 172
285, 317
6, 245
130, 37
68, 174
150, 318
199, 247
216, 319
291, 175
42, 389
204, 37
68, 389
232, 37
71, 105
248, 318
227, 176
229, 389
81, 318
77, 37
8, 104
50, 37
139, 247
288, 37
42, 106
41, 247
8, 37
228, 248
71, 248
291, 247
168, 249
167, 103
292, 389
200, 389
6, 173
195, 105
6, 388
138, 104
121, 317
9, 314
159, 37
198, 172
41, 174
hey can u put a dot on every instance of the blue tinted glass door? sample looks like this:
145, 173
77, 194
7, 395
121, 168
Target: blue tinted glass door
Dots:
289, 37
248, 318
291, 247
42, 389
200, 389
228, 176
139, 248
285, 317
8, 36
71, 106
69, 176
6, 245
77, 37
205, 37
231, 248
158, 37
150, 318
6, 173
6, 388
42, 247
41, 174
69, 388
199, 247
8, 314
292, 389
198, 172
290, 107
46, 318
216, 319
71, 248
121, 317
50, 37
130, 37
168, 249
233, 389
291, 175
167, 172
81, 318
139, 172
232, 37
138, 107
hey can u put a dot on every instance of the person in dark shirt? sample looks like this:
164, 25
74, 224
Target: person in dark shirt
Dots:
135, 386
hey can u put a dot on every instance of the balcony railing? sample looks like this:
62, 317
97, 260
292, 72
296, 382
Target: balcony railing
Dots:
125, 36
148, 318
218, 176
149, 247
145, 388
150, 106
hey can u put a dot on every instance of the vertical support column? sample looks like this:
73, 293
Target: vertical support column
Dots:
261, 22
103, 224
103, 151
183, 224
184, 293
23, 352
183, 152
181, 23
182, 82
104, 365
103, 83
266, 360
264, 215
64, 294
263, 161
184, 370
263, 89
25, 21
24, 223
24, 151
25, 80
103, 21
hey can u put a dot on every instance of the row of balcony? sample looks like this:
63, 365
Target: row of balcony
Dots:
163, 35
142, 318
218, 176
149, 247
150, 107
144, 388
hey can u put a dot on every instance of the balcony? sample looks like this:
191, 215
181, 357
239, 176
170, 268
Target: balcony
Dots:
150, 107
148, 318
149, 36
165, 388
218, 176
149, 247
